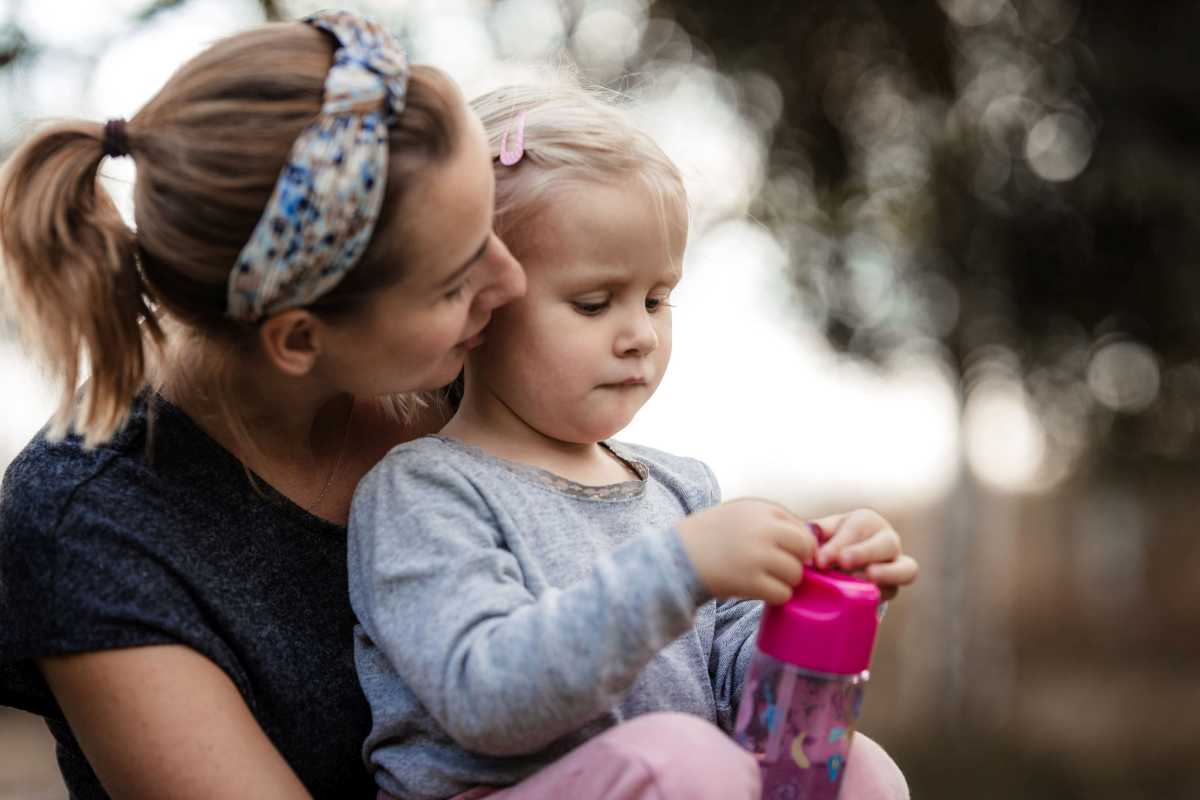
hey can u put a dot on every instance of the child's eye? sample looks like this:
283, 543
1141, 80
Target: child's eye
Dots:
656, 303
590, 306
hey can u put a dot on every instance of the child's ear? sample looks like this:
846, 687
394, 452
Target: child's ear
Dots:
291, 341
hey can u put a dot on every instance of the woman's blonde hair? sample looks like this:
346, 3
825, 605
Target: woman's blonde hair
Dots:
87, 290
572, 134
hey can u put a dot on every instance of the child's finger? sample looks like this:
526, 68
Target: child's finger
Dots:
785, 566
773, 591
882, 546
825, 527
899, 572
797, 540
819, 530
785, 514
845, 530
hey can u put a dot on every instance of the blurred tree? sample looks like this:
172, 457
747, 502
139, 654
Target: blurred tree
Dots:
1010, 184
1006, 185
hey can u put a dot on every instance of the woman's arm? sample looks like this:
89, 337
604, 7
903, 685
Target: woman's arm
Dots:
164, 721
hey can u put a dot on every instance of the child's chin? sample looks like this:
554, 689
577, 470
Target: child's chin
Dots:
607, 429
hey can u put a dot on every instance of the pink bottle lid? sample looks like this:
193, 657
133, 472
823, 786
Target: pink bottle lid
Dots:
828, 625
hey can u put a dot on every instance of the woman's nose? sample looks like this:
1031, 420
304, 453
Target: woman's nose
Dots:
506, 279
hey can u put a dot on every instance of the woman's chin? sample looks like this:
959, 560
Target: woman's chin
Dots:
438, 378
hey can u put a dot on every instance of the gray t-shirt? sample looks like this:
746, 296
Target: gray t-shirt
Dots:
507, 614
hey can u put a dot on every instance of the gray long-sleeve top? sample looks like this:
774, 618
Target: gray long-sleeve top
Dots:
507, 614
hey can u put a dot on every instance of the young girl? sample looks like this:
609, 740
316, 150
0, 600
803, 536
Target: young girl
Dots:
523, 584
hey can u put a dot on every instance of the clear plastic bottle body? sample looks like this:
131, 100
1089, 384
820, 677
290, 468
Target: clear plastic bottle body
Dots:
799, 724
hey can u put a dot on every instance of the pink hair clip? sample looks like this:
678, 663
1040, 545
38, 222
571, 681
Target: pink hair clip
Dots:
510, 157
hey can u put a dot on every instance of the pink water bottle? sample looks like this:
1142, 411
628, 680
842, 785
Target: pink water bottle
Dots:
804, 689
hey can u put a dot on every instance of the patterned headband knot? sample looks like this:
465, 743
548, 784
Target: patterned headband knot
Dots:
326, 200
363, 73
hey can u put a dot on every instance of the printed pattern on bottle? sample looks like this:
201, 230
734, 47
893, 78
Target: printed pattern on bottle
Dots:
799, 726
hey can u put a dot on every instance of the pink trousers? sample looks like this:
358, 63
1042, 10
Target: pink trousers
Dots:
680, 757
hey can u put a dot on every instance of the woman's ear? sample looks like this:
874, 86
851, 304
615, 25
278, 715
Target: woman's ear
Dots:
291, 340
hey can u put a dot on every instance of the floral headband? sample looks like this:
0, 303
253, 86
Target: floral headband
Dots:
327, 198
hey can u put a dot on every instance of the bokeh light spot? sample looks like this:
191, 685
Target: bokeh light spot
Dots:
1124, 376
1059, 146
1004, 440
971, 13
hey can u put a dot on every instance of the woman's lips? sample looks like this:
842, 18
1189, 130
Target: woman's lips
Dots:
475, 339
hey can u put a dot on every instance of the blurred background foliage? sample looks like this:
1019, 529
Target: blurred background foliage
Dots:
1001, 192
1010, 185
1004, 187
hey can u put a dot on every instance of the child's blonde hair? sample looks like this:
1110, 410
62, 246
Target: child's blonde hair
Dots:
572, 135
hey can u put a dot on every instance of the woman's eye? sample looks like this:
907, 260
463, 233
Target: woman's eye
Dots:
457, 293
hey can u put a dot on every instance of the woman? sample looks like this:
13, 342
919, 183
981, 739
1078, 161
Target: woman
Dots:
313, 233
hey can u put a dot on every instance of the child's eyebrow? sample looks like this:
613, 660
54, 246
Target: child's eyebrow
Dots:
458, 273
606, 275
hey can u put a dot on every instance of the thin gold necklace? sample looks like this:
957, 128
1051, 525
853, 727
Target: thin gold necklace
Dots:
336, 464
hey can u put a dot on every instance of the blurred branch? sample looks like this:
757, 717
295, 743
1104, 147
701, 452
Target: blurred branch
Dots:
270, 8
13, 45
154, 9
1014, 185
272, 11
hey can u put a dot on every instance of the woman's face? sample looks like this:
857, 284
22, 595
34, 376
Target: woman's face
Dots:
415, 334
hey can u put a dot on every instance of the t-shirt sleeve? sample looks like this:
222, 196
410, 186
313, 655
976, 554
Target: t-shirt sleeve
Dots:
503, 671
712, 487
733, 637
732, 648
82, 573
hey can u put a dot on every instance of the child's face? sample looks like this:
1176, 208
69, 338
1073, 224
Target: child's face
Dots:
587, 345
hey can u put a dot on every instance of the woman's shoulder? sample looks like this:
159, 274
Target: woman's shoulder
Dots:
150, 461
143, 540
48, 474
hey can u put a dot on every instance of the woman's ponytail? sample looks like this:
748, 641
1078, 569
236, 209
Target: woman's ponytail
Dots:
209, 147
71, 268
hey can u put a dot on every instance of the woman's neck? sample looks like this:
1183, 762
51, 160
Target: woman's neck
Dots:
311, 444
290, 434
280, 416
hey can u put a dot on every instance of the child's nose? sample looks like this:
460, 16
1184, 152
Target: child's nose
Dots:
639, 337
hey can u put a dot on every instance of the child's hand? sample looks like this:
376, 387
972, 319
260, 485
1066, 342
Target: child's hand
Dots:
748, 548
863, 541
